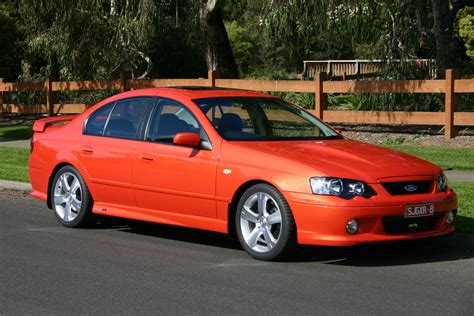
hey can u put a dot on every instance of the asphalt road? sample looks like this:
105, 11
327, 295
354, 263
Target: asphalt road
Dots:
125, 267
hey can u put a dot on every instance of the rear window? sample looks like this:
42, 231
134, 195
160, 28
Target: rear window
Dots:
120, 119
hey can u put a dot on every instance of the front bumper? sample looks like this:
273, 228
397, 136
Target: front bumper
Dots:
321, 220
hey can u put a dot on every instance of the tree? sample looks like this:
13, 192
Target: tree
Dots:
242, 46
292, 31
216, 45
9, 52
288, 32
466, 30
87, 39
448, 52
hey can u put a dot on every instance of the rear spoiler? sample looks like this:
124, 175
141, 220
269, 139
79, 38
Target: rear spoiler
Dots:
40, 125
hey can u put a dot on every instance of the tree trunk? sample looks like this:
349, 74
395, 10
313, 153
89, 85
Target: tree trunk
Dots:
449, 51
217, 50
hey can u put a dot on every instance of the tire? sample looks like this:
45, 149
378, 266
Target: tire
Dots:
265, 225
70, 198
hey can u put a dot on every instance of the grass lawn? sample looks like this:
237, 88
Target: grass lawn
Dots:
465, 192
14, 164
445, 157
16, 131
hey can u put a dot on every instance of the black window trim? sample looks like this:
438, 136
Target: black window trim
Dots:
139, 131
205, 145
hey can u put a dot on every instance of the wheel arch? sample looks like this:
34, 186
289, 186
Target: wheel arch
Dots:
55, 170
232, 207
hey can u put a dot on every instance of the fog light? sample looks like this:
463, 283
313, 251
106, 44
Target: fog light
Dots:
352, 226
450, 218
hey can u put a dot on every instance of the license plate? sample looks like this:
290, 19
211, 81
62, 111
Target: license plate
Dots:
419, 210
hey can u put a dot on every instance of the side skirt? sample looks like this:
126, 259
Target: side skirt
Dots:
154, 216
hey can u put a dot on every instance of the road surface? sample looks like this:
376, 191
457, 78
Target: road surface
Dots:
125, 267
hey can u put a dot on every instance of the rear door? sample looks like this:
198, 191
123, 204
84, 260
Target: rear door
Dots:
105, 148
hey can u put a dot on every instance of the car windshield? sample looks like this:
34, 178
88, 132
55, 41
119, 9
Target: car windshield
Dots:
250, 118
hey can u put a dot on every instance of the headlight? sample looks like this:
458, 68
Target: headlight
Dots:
326, 186
343, 188
442, 182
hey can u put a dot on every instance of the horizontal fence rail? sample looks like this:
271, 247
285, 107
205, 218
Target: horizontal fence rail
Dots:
451, 86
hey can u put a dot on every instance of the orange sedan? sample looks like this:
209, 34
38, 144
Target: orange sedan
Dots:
237, 162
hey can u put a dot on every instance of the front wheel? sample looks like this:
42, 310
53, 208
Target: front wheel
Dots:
70, 197
265, 224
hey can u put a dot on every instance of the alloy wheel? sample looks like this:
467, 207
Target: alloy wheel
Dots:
260, 222
67, 197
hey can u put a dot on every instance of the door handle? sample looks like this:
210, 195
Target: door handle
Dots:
146, 157
86, 150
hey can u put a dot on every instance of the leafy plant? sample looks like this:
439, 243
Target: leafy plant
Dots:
393, 141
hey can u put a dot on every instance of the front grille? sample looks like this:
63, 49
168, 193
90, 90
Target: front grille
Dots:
400, 224
400, 188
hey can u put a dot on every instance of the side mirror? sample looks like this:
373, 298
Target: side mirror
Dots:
339, 131
187, 139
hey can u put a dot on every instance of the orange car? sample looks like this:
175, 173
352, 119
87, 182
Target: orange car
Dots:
237, 162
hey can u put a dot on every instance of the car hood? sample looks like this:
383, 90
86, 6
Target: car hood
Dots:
346, 158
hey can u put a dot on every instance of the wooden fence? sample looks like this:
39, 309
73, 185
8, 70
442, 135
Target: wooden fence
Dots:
451, 86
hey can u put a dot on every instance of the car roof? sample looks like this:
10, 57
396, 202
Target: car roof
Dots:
194, 92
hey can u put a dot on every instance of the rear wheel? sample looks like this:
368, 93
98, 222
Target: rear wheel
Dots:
265, 224
70, 198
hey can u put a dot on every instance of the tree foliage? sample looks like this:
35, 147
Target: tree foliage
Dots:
242, 46
287, 32
99, 39
10, 49
89, 38
466, 29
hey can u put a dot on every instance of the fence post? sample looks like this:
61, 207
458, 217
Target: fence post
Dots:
450, 103
211, 76
319, 95
1, 98
124, 76
48, 86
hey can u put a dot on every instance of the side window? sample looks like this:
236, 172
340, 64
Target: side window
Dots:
169, 119
96, 122
126, 117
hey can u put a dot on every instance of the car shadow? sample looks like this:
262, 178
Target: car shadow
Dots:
464, 222
452, 247
183, 234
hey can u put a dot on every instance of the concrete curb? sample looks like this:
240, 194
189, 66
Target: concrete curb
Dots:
15, 143
15, 185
